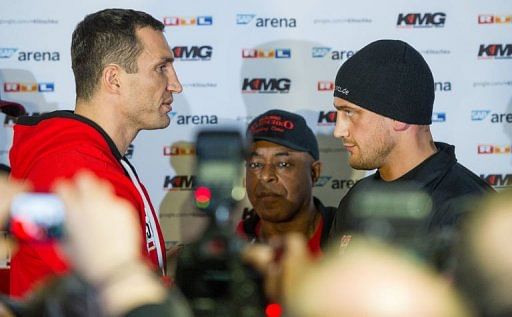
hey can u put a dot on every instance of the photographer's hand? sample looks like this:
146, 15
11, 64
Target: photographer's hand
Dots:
282, 263
104, 244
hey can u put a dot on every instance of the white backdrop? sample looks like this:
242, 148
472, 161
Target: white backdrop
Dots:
298, 46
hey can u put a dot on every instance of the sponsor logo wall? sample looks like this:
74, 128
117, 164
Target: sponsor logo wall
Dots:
237, 60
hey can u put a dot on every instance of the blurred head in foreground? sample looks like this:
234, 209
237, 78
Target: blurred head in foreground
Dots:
371, 279
485, 261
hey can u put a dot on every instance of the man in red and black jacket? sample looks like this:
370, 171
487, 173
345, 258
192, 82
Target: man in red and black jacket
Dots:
125, 82
282, 167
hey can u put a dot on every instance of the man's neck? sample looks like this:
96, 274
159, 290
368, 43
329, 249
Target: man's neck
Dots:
406, 156
305, 222
105, 116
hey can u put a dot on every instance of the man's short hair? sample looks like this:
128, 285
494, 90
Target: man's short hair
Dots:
105, 37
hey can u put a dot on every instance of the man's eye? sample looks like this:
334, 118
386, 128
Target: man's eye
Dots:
283, 164
348, 112
254, 165
162, 68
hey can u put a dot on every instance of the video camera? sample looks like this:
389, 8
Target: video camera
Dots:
210, 272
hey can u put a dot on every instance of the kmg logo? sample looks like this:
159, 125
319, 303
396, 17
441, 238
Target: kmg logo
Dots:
266, 85
192, 53
179, 182
327, 118
418, 20
498, 180
495, 51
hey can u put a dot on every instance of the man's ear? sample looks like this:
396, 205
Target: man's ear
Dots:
400, 126
316, 169
110, 78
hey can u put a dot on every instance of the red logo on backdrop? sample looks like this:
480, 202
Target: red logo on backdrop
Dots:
495, 51
176, 150
494, 19
273, 123
494, 149
498, 180
325, 85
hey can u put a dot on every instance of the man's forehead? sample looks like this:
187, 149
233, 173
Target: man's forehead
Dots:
260, 146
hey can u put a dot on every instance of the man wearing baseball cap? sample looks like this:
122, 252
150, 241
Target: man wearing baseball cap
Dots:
384, 96
282, 167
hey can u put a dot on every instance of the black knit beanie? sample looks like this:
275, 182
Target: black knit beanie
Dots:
391, 78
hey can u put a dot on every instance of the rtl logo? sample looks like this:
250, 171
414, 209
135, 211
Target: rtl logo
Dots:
498, 180
175, 150
494, 19
179, 182
325, 85
188, 21
192, 53
327, 118
29, 87
266, 85
418, 20
266, 53
495, 51
494, 149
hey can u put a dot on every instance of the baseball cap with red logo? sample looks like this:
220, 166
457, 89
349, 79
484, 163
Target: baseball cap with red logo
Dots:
284, 128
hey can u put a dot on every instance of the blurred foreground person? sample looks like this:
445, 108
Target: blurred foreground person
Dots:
281, 170
125, 81
485, 257
121, 283
370, 279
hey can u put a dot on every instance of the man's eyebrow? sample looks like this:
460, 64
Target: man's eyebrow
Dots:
167, 59
282, 154
337, 107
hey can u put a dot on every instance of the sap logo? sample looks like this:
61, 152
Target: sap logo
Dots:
479, 115
494, 149
266, 53
319, 52
10, 120
192, 53
498, 180
497, 51
266, 85
179, 182
327, 118
176, 150
6, 52
322, 180
418, 20
325, 86
494, 19
188, 21
438, 117
129, 151
197, 119
39, 56
340, 55
443, 86
342, 183
28, 87
244, 18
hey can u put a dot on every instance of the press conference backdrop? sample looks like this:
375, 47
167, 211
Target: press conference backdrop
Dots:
237, 59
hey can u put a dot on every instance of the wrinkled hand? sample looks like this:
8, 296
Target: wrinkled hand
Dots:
282, 264
102, 228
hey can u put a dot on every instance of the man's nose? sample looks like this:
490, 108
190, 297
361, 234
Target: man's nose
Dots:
341, 128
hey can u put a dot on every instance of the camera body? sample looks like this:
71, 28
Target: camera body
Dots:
210, 272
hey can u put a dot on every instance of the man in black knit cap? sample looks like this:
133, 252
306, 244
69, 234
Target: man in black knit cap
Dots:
384, 96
